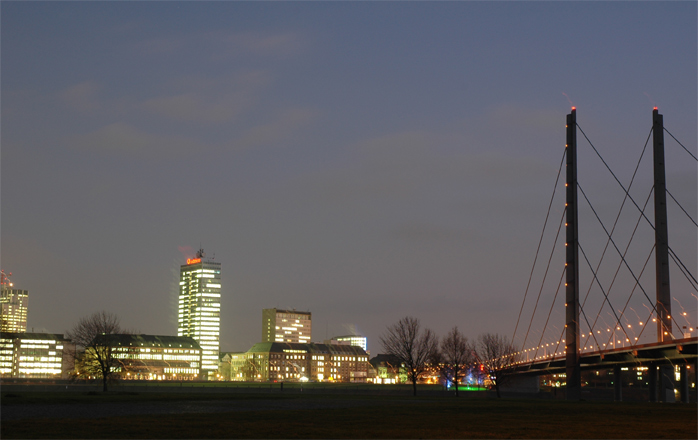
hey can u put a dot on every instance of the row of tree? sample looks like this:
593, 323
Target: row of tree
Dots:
419, 349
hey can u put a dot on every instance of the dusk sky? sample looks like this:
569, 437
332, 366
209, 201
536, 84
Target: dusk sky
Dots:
363, 161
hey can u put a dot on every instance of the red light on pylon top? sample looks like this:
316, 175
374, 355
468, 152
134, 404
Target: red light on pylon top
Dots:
656, 108
574, 108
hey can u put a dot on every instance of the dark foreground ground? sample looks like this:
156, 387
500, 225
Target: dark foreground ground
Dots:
240, 415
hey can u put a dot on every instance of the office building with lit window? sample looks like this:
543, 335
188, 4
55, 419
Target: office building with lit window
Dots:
359, 341
286, 326
200, 308
152, 357
35, 355
277, 361
13, 306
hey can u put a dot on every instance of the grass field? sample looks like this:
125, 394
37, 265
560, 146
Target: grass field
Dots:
382, 417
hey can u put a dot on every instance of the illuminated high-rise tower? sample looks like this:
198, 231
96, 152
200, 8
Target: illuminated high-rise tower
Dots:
200, 308
13, 302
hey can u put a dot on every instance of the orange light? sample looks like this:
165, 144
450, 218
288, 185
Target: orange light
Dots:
574, 108
193, 260
656, 108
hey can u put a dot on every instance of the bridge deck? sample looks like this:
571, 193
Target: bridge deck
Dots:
679, 351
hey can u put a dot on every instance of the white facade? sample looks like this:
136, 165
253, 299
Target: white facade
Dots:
200, 308
355, 340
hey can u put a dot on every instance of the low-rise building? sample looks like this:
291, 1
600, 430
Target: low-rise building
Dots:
35, 355
231, 365
389, 369
283, 361
152, 357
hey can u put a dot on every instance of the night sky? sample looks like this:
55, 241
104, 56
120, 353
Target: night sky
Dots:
360, 160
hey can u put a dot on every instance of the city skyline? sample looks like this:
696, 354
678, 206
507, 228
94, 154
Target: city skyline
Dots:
363, 161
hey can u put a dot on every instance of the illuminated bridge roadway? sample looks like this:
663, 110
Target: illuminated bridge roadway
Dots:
681, 352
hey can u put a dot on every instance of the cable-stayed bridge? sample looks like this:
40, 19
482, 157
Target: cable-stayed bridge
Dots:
616, 310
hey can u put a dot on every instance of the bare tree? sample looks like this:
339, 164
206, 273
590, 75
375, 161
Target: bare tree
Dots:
456, 354
94, 336
412, 345
496, 355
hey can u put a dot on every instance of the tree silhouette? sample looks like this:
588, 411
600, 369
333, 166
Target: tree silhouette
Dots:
413, 346
94, 335
456, 354
496, 354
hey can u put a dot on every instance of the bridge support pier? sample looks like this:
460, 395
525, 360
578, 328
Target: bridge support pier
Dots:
617, 383
666, 384
684, 384
661, 383
652, 379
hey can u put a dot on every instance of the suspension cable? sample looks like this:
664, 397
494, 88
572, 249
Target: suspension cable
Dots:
684, 269
547, 215
581, 309
614, 176
559, 284
677, 141
635, 286
615, 223
675, 257
557, 235
684, 211
602, 291
633, 200
625, 252
616, 247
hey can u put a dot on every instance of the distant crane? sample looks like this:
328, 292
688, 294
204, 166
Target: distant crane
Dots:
5, 279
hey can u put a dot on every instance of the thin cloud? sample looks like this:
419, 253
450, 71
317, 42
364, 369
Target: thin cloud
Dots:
224, 44
414, 165
422, 232
82, 97
256, 43
120, 138
160, 45
208, 100
193, 107
277, 130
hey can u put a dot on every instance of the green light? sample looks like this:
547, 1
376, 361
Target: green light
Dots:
471, 388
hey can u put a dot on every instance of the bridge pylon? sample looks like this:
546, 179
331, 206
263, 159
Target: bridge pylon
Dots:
572, 353
664, 380
661, 232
